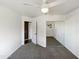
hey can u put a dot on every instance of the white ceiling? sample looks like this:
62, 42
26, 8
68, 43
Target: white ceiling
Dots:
19, 7
65, 8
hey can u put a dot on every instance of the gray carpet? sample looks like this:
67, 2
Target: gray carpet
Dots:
52, 42
54, 50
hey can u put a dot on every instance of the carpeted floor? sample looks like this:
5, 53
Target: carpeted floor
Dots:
54, 50
52, 42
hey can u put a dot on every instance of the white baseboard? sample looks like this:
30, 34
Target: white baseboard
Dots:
13, 51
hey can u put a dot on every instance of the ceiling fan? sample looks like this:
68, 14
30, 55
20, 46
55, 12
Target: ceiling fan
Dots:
45, 6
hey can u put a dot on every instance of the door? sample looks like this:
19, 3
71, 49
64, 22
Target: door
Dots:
41, 37
34, 32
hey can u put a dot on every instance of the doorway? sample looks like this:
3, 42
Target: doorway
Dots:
50, 33
26, 32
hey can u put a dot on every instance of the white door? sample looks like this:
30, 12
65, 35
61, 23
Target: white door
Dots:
41, 32
34, 35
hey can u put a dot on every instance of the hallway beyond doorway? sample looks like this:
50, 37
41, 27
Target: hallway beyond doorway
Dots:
52, 42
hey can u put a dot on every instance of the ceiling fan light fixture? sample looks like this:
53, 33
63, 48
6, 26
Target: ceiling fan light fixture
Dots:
44, 10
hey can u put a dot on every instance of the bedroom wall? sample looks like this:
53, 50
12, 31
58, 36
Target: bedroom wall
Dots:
67, 32
10, 32
50, 29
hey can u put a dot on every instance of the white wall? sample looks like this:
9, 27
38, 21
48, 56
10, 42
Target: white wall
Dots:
67, 32
10, 32
50, 31
59, 31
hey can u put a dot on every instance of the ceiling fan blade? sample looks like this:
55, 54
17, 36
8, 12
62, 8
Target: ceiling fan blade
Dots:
55, 3
32, 5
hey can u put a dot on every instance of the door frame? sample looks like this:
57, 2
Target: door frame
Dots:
22, 41
26, 31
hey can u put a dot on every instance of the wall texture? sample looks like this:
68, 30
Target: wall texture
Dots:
67, 32
50, 29
10, 32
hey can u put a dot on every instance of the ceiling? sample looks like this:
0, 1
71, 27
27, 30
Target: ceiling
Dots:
19, 7
65, 8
